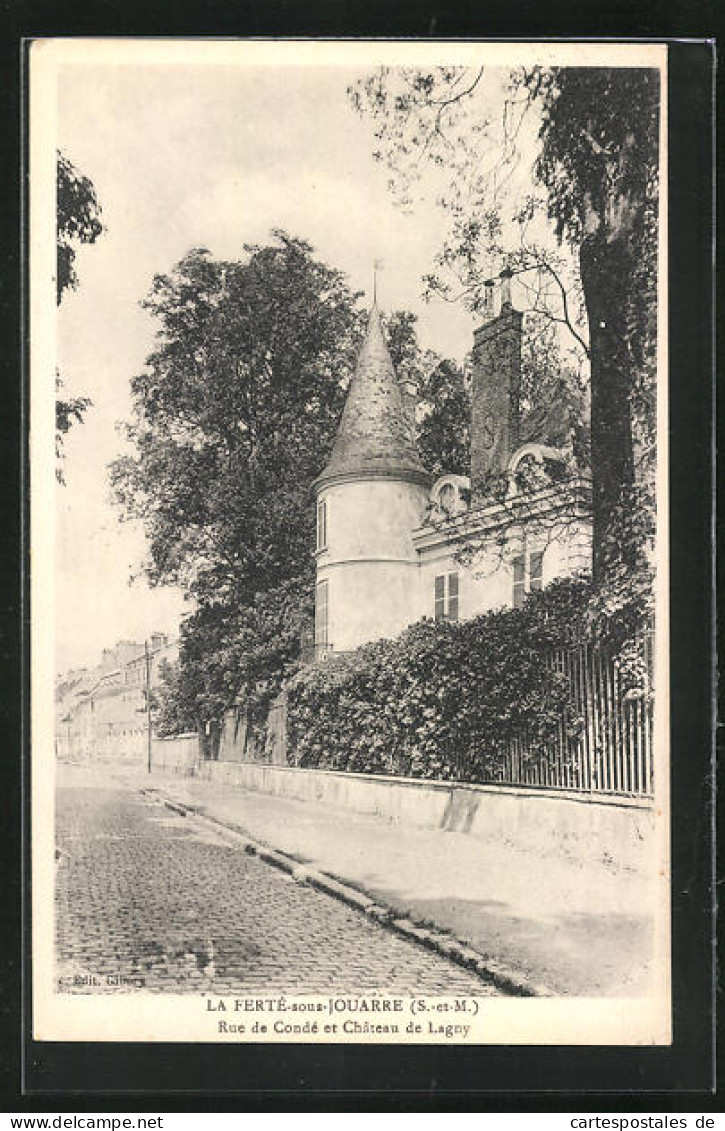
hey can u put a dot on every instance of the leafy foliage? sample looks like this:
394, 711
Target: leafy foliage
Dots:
235, 415
444, 430
599, 133
458, 134
78, 221
454, 133
443, 414
443, 700
599, 161
174, 701
68, 411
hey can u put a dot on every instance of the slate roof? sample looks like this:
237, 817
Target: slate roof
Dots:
375, 434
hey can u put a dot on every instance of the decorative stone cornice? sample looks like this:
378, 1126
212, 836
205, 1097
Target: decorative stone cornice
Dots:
365, 475
572, 500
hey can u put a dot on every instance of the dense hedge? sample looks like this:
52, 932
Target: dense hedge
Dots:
441, 700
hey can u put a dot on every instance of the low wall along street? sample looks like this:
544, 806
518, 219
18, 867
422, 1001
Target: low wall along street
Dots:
598, 826
616, 829
179, 754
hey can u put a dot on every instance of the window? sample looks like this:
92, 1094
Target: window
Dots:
321, 619
536, 570
519, 581
528, 575
322, 524
446, 596
440, 597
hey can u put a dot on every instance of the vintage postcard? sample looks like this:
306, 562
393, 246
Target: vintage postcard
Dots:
349, 529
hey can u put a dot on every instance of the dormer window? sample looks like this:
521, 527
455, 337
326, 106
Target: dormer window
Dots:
535, 466
447, 498
322, 524
450, 495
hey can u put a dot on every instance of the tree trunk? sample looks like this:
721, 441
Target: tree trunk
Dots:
606, 262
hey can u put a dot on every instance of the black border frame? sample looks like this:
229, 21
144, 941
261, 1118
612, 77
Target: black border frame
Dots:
51, 1076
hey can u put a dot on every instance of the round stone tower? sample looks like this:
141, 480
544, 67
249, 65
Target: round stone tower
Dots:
370, 497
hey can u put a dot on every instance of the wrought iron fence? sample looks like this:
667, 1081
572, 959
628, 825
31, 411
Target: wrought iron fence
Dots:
605, 745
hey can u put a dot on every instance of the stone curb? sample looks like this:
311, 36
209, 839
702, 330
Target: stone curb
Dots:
488, 969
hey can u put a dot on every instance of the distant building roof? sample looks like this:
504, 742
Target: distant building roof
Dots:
375, 435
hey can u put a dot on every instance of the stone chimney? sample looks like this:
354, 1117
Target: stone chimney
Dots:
495, 393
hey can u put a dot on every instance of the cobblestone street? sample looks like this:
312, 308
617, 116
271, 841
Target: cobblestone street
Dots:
146, 899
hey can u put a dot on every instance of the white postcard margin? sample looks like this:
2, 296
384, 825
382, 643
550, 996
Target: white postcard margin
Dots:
154, 1017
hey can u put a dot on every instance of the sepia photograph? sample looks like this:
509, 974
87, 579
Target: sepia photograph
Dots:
348, 453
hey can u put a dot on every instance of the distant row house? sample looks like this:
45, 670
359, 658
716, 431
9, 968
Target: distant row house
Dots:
102, 712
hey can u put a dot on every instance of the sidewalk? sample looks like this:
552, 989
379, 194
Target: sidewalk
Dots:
576, 928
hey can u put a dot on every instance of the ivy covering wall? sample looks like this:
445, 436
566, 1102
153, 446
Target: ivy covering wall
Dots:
443, 700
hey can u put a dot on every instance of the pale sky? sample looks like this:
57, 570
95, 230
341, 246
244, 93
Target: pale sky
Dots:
200, 156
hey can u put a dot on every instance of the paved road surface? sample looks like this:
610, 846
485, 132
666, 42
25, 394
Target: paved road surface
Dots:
147, 899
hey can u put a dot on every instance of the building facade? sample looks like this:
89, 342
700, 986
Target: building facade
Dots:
102, 713
394, 547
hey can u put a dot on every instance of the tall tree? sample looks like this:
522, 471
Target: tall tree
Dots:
599, 161
234, 417
78, 222
443, 413
445, 420
595, 175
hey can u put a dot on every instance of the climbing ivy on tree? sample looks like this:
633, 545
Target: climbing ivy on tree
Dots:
599, 161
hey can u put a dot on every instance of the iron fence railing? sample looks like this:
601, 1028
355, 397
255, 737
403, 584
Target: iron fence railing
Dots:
605, 745
603, 742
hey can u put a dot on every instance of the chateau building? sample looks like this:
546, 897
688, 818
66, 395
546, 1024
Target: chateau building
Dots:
394, 547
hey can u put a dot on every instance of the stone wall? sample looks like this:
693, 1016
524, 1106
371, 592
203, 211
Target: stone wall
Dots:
180, 754
618, 831
233, 737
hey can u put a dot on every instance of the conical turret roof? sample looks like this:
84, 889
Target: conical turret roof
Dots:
376, 434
